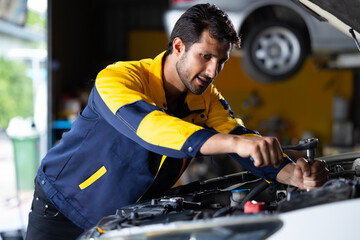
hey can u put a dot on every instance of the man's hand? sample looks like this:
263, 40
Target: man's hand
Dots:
264, 151
303, 175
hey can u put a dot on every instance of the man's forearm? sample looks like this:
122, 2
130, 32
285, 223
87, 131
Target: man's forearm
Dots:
219, 144
286, 175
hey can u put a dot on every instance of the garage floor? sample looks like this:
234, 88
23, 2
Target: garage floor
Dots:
13, 212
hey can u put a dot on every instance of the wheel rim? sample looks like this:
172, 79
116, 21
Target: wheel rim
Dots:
276, 50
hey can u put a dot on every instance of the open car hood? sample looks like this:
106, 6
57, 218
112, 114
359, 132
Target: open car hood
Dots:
343, 15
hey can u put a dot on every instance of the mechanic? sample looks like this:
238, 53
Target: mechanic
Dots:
145, 120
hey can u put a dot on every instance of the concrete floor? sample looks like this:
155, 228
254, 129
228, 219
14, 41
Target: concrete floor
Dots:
14, 205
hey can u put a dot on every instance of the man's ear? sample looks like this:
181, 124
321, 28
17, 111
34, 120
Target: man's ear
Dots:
178, 46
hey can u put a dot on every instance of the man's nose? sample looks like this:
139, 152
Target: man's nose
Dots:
212, 69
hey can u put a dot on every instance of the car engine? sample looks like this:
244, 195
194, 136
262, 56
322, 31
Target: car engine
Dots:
237, 206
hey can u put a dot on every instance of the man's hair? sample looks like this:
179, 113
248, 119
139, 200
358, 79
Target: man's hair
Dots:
198, 18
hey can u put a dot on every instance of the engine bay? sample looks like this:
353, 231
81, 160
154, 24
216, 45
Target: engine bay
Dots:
236, 206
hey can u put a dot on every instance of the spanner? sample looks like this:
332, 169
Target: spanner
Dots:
308, 144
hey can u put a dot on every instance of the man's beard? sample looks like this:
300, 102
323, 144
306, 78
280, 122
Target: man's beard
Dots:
185, 78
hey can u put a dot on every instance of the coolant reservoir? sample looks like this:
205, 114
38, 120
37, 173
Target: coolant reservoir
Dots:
237, 196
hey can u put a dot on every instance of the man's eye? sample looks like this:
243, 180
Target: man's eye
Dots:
205, 56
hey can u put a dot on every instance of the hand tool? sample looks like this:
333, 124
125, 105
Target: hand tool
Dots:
308, 144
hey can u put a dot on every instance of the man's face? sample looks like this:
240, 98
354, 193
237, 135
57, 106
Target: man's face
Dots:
202, 62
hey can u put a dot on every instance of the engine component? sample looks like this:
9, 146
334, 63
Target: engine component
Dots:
254, 207
334, 190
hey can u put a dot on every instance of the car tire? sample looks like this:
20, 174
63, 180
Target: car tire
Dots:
273, 51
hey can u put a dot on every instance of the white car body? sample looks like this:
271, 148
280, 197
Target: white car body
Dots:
323, 36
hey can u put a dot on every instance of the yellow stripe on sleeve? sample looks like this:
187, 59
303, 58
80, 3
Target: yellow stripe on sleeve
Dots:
99, 173
166, 131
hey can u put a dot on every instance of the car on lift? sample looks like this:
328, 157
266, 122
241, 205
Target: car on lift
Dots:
277, 35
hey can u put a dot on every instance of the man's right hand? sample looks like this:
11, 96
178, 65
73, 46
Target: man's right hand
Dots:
264, 151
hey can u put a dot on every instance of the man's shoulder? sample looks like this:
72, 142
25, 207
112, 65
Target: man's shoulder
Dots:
212, 91
139, 65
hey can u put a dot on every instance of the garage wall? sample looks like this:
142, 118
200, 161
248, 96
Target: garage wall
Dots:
301, 104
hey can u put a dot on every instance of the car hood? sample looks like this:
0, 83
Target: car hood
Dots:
343, 15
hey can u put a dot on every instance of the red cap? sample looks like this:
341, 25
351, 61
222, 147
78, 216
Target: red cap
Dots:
254, 207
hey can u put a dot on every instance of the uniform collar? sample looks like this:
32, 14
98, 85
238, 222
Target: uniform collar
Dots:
194, 102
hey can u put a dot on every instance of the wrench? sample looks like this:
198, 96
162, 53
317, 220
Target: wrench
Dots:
308, 144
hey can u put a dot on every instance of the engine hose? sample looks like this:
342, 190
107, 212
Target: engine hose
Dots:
253, 193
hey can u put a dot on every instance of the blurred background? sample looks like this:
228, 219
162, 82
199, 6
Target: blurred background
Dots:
51, 52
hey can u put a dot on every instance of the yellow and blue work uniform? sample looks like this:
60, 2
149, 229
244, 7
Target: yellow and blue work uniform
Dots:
124, 146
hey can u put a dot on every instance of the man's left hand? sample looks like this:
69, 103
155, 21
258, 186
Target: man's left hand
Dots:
303, 175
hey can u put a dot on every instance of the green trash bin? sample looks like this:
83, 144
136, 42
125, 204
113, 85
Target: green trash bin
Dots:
27, 159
